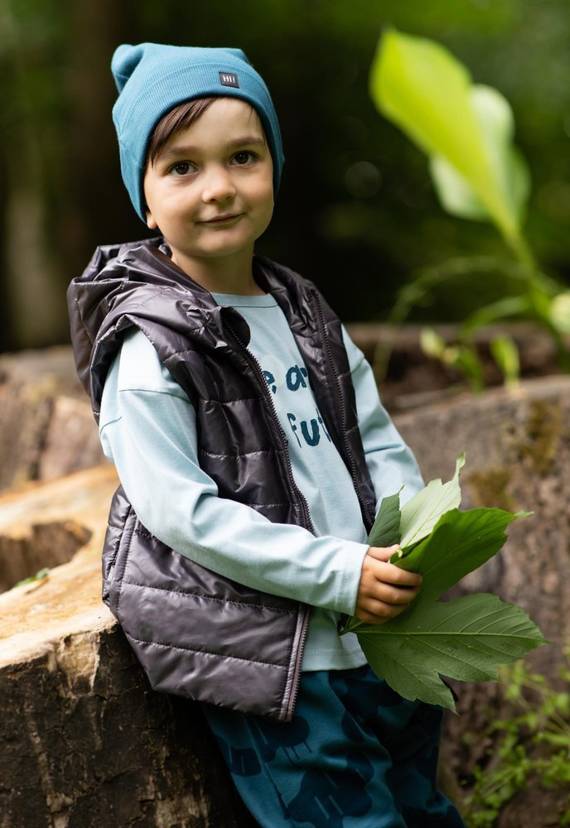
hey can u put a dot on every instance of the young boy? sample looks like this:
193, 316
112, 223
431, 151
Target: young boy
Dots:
253, 453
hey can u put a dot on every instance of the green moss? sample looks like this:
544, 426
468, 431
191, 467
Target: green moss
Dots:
489, 488
543, 433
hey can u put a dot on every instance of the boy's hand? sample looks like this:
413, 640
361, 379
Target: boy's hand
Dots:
385, 590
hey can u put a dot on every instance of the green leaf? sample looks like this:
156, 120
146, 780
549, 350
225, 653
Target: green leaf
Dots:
431, 343
560, 312
469, 363
386, 529
467, 129
460, 542
506, 355
421, 513
509, 306
497, 127
466, 639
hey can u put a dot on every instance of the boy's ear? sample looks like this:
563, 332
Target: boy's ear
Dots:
150, 222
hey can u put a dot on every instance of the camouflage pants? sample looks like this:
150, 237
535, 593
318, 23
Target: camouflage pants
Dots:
355, 755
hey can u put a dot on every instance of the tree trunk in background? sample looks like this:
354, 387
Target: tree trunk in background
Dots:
95, 31
57, 142
35, 310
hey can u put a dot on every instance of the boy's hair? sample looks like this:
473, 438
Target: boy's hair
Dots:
180, 117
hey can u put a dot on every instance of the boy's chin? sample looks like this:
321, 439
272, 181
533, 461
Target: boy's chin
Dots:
210, 252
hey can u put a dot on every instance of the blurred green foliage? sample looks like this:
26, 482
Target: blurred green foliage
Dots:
356, 211
467, 131
529, 747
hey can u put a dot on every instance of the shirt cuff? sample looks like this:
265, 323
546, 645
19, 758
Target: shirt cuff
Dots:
354, 554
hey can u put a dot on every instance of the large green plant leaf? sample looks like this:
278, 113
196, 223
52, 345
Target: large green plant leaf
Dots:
459, 543
423, 89
421, 513
496, 122
465, 639
386, 529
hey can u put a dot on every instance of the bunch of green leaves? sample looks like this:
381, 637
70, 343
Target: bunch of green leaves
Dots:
531, 745
467, 131
467, 638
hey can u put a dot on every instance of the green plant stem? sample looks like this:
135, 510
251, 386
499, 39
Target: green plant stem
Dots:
523, 253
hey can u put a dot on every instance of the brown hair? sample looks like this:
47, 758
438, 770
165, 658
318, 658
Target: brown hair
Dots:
178, 118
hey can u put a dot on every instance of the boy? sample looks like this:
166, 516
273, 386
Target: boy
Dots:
253, 453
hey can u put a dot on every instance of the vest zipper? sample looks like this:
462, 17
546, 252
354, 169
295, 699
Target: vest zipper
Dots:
267, 393
306, 515
344, 617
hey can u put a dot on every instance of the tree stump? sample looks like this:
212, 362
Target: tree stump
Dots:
517, 448
85, 740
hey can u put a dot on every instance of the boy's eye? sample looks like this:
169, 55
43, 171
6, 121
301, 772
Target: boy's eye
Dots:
245, 152
183, 167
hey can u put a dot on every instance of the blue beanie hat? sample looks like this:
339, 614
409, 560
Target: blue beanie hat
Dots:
152, 78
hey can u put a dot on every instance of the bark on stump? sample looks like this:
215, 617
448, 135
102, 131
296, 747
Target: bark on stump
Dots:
85, 740
46, 425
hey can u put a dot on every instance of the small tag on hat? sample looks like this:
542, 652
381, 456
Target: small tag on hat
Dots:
229, 79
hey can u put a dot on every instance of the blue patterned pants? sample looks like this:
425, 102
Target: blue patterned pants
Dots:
355, 755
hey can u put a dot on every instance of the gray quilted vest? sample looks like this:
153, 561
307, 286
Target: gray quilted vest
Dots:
198, 634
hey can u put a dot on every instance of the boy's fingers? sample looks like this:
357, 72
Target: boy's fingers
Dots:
393, 595
383, 553
389, 573
378, 612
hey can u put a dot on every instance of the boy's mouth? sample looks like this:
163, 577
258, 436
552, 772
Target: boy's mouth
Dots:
222, 219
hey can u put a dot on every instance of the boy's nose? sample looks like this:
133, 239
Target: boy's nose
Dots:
217, 184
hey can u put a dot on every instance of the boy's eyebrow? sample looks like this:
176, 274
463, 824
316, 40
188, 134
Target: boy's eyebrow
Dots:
254, 140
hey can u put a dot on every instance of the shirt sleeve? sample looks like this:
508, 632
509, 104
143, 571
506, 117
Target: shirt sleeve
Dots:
390, 460
148, 429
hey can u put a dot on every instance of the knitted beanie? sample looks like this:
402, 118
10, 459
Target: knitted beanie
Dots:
152, 78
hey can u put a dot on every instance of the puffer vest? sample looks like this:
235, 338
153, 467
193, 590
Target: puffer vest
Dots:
196, 633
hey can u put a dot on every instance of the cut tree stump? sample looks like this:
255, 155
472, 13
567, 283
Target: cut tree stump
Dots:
85, 740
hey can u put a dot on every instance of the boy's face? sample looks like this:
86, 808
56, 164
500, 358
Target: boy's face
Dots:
208, 170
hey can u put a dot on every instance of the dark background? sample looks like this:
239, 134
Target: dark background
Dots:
356, 211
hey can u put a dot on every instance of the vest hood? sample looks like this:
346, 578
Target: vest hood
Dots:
128, 283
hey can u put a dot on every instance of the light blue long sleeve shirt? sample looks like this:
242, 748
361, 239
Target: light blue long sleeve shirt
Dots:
148, 429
